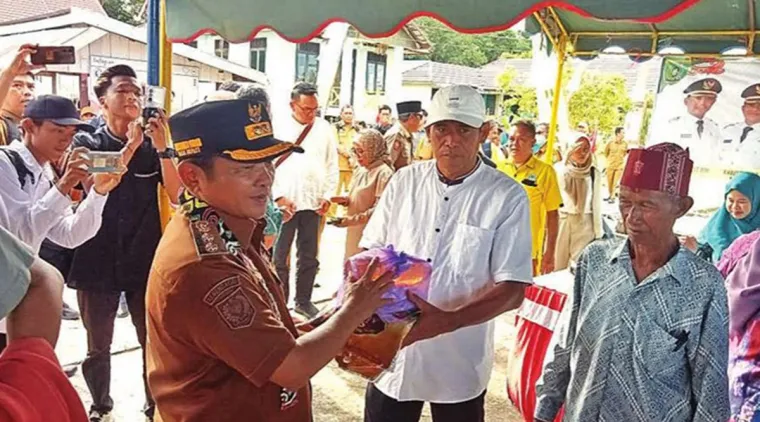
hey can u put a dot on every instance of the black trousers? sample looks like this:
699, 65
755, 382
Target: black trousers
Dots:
98, 311
306, 225
380, 408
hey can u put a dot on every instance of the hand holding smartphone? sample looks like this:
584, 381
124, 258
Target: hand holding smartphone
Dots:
53, 55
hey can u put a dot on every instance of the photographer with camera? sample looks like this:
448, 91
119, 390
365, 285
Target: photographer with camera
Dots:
118, 258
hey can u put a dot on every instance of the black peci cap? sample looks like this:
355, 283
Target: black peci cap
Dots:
238, 129
407, 107
58, 110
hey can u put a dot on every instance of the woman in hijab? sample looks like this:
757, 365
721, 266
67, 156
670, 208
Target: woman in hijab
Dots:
580, 221
743, 286
368, 184
740, 215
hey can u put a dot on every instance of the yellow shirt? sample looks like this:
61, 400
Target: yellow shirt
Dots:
424, 150
540, 182
346, 136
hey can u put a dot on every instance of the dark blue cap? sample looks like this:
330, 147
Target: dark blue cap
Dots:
407, 107
238, 129
55, 109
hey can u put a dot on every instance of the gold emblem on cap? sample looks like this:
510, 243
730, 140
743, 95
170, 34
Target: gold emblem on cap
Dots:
246, 155
708, 84
258, 130
188, 147
757, 89
254, 112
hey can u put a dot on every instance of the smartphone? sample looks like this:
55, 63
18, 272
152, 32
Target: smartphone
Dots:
54, 55
104, 162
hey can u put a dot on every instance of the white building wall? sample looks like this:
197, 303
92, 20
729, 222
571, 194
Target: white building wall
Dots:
417, 92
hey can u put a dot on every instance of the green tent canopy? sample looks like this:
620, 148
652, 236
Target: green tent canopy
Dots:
706, 28
300, 21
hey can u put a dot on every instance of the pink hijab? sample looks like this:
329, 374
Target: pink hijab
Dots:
743, 286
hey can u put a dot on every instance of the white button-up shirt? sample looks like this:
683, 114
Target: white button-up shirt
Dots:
682, 130
741, 155
475, 234
312, 176
40, 210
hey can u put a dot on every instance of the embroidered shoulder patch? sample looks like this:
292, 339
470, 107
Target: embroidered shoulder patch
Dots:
207, 239
236, 310
218, 290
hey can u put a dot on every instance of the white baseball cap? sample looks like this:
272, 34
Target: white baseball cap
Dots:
460, 103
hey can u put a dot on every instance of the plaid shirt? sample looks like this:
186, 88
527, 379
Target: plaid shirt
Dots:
652, 351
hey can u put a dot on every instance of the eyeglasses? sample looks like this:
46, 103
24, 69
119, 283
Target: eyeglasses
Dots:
307, 109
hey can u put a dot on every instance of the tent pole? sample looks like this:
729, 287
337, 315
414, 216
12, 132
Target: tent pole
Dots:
550, 144
165, 80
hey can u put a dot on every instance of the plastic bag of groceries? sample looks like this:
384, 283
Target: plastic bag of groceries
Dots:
373, 346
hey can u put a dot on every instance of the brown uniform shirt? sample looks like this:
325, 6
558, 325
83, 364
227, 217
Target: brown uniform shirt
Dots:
218, 328
615, 152
399, 143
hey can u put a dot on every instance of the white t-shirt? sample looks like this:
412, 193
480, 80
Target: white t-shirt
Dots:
474, 234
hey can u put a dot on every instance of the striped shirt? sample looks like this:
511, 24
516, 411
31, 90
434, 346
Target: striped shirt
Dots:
652, 351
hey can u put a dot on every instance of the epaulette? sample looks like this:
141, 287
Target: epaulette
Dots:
208, 241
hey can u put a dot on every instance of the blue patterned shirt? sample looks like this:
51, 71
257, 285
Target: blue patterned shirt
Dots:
652, 351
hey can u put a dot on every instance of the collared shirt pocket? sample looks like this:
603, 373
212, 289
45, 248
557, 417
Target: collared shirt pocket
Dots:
660, 353
471, 250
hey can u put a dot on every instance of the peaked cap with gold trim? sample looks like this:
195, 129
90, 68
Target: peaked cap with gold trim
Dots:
706, 86
240, 130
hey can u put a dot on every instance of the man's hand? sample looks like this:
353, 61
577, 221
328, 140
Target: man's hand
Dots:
363, 296
287, 207
547, 263
106, 182
690, 243
75, 172
340, 200
156, 129
324, 206
20, 64
432, 321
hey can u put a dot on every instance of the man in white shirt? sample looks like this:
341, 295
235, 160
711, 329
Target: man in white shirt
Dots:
693, 129
741, 143
472, 223
37, 205
303, 185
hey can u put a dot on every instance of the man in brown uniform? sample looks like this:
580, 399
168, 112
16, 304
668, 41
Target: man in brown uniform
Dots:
399, 138
222, 346
615, 153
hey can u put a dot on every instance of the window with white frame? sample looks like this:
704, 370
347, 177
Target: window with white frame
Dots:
375, 76
259, 54
222, 48
307, 62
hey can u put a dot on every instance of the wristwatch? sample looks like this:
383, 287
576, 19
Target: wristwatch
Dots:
168, 153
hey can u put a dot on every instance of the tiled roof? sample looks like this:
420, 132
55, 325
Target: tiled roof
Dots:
442, 74
25, 10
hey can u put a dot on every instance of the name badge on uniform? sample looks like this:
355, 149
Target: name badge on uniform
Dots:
686, 136
530, 180
727, 141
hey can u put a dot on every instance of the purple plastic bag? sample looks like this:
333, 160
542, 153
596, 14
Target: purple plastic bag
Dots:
409, 274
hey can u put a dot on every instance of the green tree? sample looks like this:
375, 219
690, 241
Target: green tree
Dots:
126, 11
601, 100
646, 120
450, 46
519, 95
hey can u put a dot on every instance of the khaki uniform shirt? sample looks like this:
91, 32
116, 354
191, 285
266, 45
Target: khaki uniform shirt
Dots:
218, 328
615, 152
346, 136
399, 146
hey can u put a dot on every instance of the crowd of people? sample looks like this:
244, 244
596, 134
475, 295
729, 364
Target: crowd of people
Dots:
660, 329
